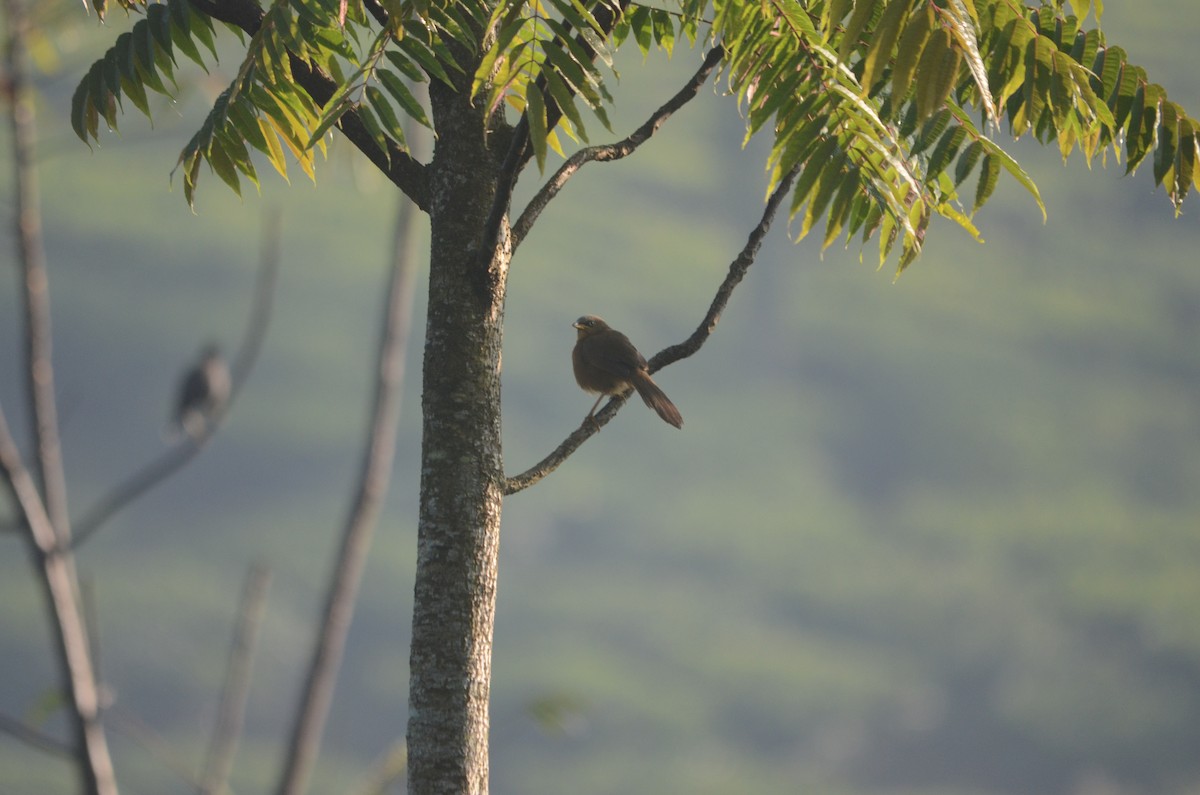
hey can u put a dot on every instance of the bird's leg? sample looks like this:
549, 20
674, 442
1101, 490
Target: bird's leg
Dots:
592, 414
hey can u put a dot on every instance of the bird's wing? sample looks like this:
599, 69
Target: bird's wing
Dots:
613, 353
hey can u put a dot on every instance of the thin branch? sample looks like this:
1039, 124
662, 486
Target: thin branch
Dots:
31, 259
372, 487
737, 271
35, 738
214, 779
607, 15
56, 568
614, 151
188, 446
44, 515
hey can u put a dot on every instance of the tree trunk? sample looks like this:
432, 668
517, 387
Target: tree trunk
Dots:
462, 477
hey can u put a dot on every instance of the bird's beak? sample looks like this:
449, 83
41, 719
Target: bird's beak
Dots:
577, 325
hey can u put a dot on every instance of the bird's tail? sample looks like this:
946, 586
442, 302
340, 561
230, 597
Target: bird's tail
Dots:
657, 399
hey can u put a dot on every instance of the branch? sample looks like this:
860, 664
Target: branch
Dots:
669, 355
56, 569
404, 171
607, 14
45, 519
188, 446
615, 151
372, 487
34, 738
31, 259
215, 778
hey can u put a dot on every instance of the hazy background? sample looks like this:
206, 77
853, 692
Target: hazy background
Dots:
938, 535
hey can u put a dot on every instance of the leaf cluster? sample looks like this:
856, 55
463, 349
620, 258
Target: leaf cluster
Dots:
876, 102
265, 108
887, 108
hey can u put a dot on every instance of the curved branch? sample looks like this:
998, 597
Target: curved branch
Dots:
607, 15
614, 151
188, 446
35, 738
670, 354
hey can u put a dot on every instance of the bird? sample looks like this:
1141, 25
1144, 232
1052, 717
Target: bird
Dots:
608, 363
202, 391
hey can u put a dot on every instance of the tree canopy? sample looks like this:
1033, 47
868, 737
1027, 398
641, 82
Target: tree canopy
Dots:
888, 110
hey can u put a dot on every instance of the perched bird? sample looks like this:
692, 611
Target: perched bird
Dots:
203, 390
606, 362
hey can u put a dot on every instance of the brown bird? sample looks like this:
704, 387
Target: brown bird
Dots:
606, 362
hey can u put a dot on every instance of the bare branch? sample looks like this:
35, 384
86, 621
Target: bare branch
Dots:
615, 151
364, 512
214, 779
34, 737
45, 518
31, 259
56, 569
187, 446
669, 355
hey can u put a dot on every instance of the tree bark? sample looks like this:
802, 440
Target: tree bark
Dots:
462, 478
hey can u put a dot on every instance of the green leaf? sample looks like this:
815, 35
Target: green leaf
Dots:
947, 147
829, 180
387, 115
938, 71
1168, 130
404, 98
1185, 163
144, 57
966, 162
664, 30
374, 127
98, 95
202, 30
811, 171
436, 61
158, 19
641, 24
223, 166
912, 45
883, 40
835, 11
565, 100
863, 11
80, 107
273, 150
839, 210
329, 117
535, 112
962, 27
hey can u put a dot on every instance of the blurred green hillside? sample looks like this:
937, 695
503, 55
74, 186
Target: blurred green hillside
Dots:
933, 536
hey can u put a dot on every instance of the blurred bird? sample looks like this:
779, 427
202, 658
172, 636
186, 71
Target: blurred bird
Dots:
203, 390
607, 362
